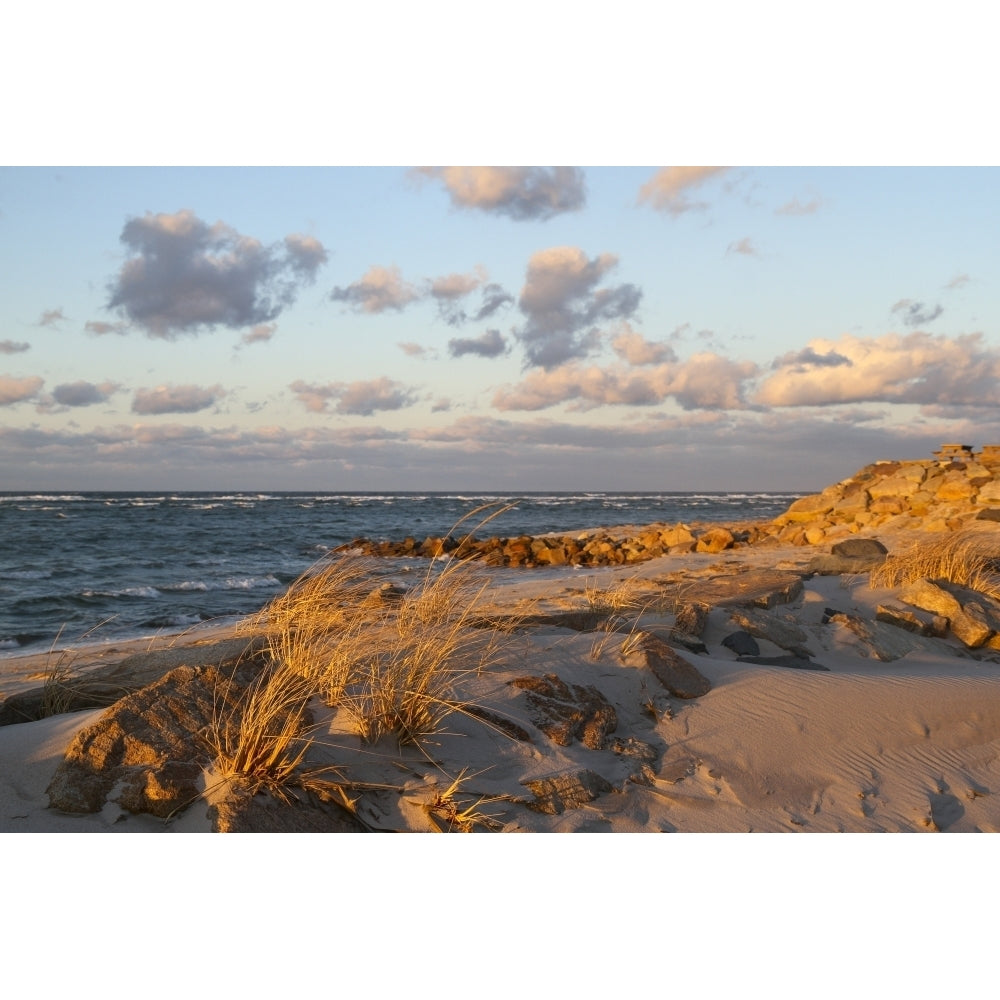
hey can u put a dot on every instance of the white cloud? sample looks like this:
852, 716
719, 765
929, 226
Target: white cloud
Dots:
914, 368
380, 289
176, 399
360, 398
520, 193
667, 190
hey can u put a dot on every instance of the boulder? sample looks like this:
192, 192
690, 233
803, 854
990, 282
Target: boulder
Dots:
144, 753
938, 598
715, 540
911, 619
762, 625
681, 678
563, 711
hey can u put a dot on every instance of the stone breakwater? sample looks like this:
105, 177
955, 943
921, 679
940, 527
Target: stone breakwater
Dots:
930, 495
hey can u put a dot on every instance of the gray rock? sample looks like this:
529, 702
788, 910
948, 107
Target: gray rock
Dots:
860, 548
762, 625
742, 644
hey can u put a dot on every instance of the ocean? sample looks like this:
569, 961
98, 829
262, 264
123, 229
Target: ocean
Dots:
104, 566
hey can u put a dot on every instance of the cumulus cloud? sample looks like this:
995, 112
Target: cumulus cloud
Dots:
17, 390
796, 207
100, 329
562, 304
360, 398
456, 286
916, 313
915, 368
260, 334
13, 347
176, 399
380, 289
449, 291
183, 275
520, 193
490, 345
637, 350
83, 393
51, 317
704, 381
667, 190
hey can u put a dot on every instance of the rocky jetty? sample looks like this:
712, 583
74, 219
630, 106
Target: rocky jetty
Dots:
939, 494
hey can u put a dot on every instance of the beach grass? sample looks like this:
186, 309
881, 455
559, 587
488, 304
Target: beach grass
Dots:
968, 558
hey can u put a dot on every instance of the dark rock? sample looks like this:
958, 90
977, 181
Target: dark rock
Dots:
570, 790
860, 548
680, 678
989, 514
742, 644
563, 711
691, 619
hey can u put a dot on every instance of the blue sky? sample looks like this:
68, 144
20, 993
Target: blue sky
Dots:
581, 327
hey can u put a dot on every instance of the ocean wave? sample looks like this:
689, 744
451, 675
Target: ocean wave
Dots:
147, 593
230, 583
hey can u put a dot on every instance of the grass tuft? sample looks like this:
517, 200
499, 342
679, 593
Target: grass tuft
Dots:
968, 558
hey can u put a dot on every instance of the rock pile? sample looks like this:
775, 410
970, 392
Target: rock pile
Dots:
928, 495
937, 494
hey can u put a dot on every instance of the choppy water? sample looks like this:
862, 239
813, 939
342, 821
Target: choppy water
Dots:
137, 564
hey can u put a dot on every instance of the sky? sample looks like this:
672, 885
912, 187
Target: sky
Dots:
515, 328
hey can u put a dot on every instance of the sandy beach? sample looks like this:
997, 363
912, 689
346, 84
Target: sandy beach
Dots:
853, 743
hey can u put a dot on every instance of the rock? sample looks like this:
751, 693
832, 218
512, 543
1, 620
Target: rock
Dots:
144, 752
931, 596
563, 711
918, 621
642, 757
860, 548
680, 678
240, 811
104, 685
692, 616
835, 565
785, 634
742, 644
886, 644
715, 540
989, 514
569, 790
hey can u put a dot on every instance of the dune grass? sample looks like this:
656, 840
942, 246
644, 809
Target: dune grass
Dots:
969, 558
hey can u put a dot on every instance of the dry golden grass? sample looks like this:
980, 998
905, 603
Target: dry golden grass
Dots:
969, 558
262, 735
450, 814
393, 664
